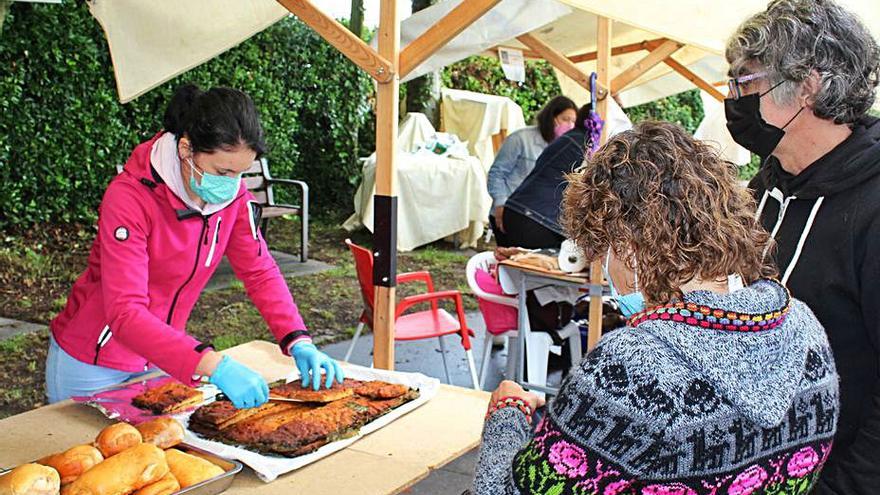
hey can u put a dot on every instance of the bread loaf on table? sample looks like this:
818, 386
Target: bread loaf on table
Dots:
161, 432
165, 486
189, 469
125, 472
30, 479
73, 462
116, 438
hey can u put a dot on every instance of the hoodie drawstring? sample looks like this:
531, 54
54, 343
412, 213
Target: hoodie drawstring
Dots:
776, 194
779, 219
213, 242
803, 239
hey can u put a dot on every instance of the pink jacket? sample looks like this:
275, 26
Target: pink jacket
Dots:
149, 263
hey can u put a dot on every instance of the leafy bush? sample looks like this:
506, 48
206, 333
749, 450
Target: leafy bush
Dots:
63, 131
685, 109
484, 75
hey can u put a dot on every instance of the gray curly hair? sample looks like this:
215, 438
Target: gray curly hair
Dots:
792, 38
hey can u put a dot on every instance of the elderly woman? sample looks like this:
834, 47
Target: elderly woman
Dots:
715, 387
805, 74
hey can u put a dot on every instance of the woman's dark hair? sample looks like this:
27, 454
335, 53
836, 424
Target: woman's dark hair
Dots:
583, 113
554, 107
220, 118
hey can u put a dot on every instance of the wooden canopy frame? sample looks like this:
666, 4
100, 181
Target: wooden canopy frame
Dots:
389, 64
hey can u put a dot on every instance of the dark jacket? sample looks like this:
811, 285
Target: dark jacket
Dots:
540, 194
838, 275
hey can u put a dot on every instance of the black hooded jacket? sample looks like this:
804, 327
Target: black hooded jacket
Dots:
826, 222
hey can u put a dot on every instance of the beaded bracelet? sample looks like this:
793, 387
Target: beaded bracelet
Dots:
511, 401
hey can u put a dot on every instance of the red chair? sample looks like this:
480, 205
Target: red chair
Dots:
434, 322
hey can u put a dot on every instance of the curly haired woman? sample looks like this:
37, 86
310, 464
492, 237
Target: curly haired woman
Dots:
722, 384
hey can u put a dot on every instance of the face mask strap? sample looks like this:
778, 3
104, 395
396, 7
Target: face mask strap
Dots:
792, 119
761, 95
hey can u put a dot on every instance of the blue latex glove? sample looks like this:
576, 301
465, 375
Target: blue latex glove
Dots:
244, 387
310, 361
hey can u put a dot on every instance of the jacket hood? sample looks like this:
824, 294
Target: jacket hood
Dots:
758, 372
851, 163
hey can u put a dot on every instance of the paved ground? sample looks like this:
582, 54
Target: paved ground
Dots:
10, 327
289, 264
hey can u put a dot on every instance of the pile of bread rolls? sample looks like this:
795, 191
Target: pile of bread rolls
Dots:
123, 460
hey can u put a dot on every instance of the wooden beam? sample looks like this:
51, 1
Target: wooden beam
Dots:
603, 73
344, 40
697, 80
636, 70
558, 60
526, 53
384, 244
620, 50
442, 32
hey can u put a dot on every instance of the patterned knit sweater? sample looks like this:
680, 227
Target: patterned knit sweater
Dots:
732, 394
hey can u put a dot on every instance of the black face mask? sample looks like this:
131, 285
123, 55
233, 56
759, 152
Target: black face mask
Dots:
749, 129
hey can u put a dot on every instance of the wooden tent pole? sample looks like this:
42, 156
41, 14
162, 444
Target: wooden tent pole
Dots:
603, 66
619, 50
697, 80
385, 200
558, 60
646, 63
344, 40
450, 26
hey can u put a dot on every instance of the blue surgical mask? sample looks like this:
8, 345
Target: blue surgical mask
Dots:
213, 188
629, 304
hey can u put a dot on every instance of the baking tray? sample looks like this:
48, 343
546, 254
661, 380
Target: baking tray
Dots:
213, 486
217, 484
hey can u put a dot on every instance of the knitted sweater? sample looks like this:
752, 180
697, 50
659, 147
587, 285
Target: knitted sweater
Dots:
719, 394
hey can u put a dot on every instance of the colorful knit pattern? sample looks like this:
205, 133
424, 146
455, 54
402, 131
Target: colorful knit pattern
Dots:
702, 316
553, 463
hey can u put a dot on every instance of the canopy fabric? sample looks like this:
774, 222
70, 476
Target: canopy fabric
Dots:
703, 27
476, 117
439, 196
152, 42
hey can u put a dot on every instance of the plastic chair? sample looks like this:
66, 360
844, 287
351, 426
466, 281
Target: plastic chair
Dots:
434, 322
539, 345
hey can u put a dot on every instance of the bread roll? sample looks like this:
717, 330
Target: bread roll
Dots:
165, 486
125, 472
73, 462
116, 438
189, 469
30, 479
162, 432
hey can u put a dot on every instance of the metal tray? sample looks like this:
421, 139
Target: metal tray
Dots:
213, 486
217, 484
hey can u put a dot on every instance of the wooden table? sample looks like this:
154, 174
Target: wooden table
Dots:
385, 462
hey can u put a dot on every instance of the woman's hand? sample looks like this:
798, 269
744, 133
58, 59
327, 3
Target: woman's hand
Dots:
509, 388
244, 387
310, 361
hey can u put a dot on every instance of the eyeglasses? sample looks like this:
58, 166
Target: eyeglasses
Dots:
735, 85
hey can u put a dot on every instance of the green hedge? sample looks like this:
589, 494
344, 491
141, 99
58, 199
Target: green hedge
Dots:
62, 129
484, 75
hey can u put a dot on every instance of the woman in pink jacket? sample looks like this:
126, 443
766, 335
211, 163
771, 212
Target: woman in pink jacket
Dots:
164, 224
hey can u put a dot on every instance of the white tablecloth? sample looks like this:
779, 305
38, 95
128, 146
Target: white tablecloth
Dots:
437, 197
476, 117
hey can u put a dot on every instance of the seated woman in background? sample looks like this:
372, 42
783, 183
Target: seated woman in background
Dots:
516, 158
531, 213
714, 387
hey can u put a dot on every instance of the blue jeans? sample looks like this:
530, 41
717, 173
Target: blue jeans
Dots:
67, 376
